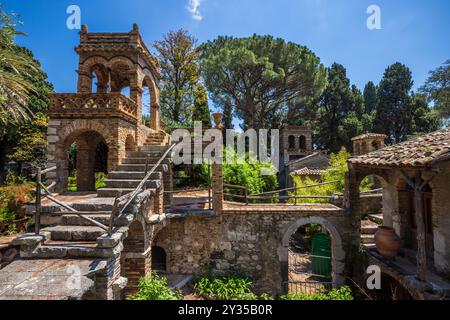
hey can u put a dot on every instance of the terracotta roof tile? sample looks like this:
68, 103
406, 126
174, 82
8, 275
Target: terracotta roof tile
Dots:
308, 172
419, 152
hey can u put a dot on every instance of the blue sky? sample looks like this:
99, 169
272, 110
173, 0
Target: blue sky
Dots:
413, 32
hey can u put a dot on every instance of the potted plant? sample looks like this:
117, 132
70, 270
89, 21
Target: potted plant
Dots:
387, 242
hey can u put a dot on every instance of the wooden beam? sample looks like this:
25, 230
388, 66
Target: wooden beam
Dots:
421, 236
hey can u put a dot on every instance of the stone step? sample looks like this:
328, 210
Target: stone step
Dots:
144, 154
75, 220
367, 239
64, 249
117, 192
144, 160
74, 233
113, 192
122, 183
369, 229
147, 148
140, 167
376, 218
95, 206
129, 175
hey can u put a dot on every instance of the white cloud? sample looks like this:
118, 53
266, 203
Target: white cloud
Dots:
193, 7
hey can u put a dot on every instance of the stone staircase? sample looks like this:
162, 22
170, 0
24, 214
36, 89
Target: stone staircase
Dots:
157, 138
368, 230
67, 235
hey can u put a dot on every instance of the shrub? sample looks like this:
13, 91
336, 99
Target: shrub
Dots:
100, 178
344, 293
6, 215
225, 288
155, 288
247, 173
336, 172
15, 196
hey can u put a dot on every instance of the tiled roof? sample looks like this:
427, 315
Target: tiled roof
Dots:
308, 172
308, 157
369, 135
418, 152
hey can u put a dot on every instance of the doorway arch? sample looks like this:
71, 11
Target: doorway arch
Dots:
337, 252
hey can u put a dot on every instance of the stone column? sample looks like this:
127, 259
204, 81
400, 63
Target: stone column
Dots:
136, 95
217, 172
155, 117
85, 165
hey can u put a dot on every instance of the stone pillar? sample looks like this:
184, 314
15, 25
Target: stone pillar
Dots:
136, 96
168, 185
217, 187
85, 165
84, 80
217, 172
155, 117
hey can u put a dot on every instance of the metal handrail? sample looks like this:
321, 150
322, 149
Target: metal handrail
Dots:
41, 187
132, 195
295, 188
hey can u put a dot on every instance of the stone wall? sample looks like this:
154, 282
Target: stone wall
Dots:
371, 204
253, 243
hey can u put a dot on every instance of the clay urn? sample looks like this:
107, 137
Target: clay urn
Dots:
217, 117
387, 242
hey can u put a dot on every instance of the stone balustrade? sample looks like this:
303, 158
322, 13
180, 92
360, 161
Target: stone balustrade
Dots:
89, 104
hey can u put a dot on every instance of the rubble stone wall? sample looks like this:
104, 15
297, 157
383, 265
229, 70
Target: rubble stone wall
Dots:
250, 243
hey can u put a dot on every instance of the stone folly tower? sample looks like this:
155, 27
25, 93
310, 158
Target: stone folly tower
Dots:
113, 70
367, 143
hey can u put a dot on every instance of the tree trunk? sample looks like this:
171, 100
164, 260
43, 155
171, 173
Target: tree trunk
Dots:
421, 236
2, 159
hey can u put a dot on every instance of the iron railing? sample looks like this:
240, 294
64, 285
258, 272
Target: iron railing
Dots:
115, 211
132, 195
44, 191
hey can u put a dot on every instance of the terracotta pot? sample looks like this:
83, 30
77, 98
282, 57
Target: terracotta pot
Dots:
387, 241
217, 117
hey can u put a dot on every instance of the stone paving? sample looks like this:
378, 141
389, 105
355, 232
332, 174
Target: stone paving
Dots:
47, 279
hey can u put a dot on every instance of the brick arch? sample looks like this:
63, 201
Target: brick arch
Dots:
69, 133
338, 254
148, 81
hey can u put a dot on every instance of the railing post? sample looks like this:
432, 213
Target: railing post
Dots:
37, 216
146, 165
209, 186
246, 196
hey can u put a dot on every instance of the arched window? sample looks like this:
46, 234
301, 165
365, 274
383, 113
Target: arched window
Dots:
303, 143
291, 142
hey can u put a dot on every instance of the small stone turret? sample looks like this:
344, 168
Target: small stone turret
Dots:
367, 143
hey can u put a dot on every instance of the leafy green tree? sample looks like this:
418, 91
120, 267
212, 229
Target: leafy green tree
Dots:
247, 173
370, 97
341, 108
259, 75
23, 98
31, 145
437, 89
179, 60
400, 113
201, 108
335, 174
